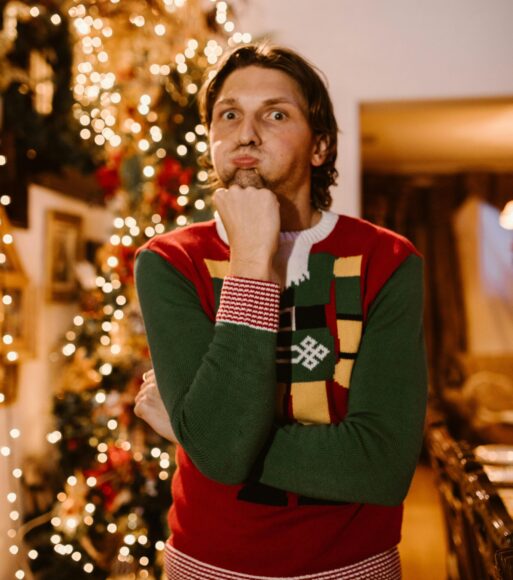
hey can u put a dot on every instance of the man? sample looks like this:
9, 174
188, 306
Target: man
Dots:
287, 347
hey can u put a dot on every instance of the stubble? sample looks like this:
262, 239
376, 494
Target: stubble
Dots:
247, 178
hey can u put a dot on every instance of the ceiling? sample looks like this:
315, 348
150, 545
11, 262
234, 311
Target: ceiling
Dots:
437, 136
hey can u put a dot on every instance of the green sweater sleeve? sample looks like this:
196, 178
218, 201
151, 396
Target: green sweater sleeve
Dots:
217, 382
370, 456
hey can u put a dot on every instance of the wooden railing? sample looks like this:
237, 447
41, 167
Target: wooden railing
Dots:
479, 528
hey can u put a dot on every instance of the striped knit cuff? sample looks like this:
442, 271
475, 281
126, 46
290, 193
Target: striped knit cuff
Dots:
253, 303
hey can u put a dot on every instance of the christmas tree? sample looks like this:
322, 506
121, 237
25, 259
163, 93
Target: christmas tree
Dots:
137, 68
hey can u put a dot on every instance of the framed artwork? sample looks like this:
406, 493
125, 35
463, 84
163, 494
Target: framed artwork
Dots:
63, 251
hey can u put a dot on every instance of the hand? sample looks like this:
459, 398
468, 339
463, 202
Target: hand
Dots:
150, 408
251, 217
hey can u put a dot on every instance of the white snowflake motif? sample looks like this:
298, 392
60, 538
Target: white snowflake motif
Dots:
310, 353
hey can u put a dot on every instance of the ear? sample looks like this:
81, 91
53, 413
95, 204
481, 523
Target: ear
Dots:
320, 151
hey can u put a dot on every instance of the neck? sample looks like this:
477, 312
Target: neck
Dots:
297, 216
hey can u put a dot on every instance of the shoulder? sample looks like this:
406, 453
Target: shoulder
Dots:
361, 236
184, 246
381, 250
181, 239
189, 251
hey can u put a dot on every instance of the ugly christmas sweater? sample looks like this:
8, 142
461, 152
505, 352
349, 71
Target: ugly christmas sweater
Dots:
299, 413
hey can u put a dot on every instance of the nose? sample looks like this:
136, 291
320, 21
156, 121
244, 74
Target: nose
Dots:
249, 133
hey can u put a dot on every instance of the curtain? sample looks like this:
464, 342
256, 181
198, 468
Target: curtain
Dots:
422, 207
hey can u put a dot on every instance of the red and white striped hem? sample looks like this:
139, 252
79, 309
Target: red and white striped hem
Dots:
253, 303
383, 566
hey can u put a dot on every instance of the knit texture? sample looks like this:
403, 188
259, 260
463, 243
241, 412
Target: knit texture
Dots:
384, 566
297, 447
252, 303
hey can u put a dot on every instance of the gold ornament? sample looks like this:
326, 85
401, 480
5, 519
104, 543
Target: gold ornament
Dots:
79, 374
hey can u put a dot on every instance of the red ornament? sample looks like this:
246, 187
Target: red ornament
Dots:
119, 463
171, 175
108, 177
125, 267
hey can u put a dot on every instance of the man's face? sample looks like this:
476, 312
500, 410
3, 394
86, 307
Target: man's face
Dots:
260, 136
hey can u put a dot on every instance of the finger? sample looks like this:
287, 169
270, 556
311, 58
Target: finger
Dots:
218, 195
139, 402
142, 405
142, 394
148, 383
143, 391
147, 390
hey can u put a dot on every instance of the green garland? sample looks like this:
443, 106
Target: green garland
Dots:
44, 143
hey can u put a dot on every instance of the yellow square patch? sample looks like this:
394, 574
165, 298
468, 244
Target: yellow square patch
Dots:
217, 268
343, 370
345, 267
310, 402
349, 335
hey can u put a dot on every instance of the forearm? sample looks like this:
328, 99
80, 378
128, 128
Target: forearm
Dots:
361, 459
217, 382
370, 456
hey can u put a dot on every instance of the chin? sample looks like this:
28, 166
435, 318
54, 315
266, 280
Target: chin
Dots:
246, 178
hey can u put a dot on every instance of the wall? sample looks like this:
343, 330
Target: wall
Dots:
32, 411
372, 50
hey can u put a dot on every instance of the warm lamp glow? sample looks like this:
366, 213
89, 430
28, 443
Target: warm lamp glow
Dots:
506, 217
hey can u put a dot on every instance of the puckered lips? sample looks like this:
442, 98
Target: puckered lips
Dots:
245, 161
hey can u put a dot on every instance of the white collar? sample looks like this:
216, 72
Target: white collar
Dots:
295, 246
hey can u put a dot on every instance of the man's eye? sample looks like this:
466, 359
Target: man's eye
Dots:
277, 115
228, 115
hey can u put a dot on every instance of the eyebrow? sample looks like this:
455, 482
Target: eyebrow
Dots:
267, 102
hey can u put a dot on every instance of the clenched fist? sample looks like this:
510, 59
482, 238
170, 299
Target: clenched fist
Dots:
251, 216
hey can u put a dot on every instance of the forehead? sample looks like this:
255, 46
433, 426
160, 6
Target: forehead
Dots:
259, 83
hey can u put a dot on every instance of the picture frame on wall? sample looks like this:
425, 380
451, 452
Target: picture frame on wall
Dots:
63, 252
